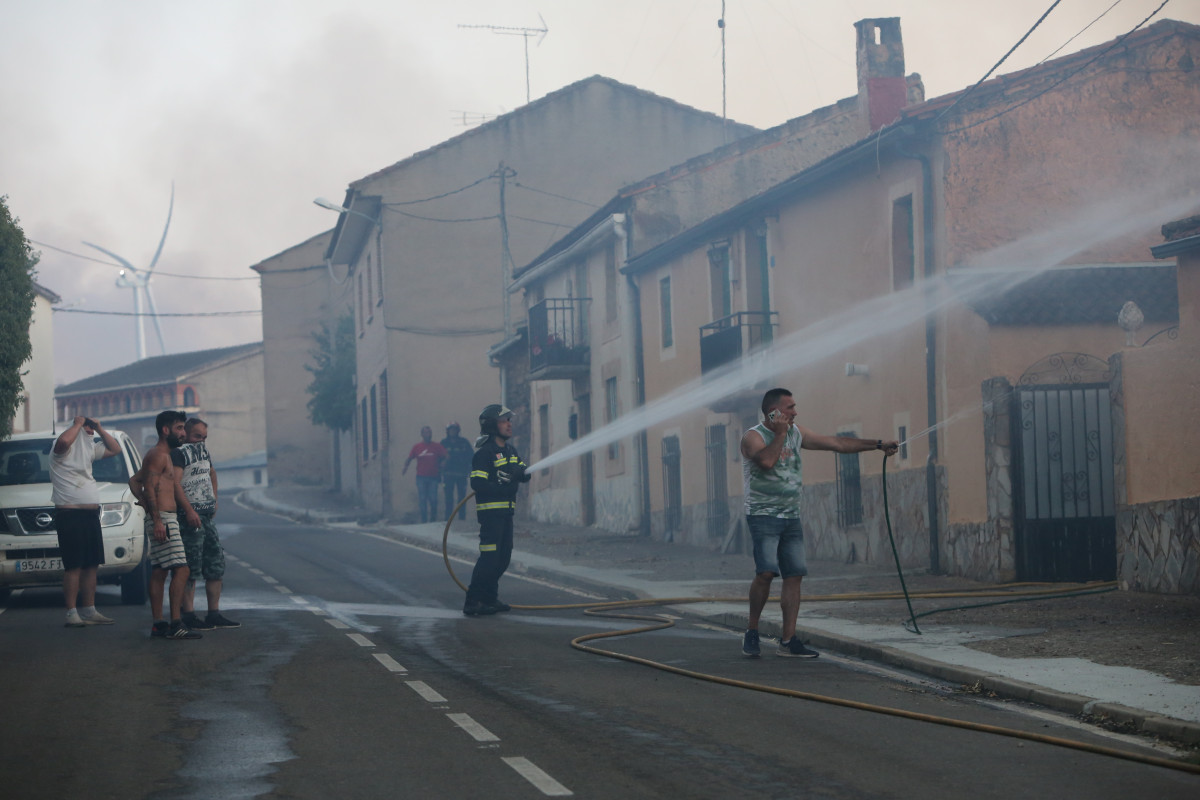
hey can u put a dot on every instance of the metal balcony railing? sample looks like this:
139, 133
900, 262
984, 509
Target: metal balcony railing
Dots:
725, 340
558, 344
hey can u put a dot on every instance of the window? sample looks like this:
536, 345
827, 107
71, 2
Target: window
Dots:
258, 477
610, 413
719, 276
664, 303
610, 283
672, 484
370, 290
849, 488
903, 255
903, 434
189, 396
543, 430
379, 268
374, 423
128, 404
383, 406
361, 318
362, 426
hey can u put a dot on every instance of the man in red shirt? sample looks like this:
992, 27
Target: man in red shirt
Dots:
429, 456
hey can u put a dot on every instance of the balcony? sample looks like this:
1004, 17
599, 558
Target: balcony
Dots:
558, 346
724, 341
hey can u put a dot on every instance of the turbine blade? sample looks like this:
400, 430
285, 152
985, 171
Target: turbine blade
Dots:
113, 255
166, 228
154, 316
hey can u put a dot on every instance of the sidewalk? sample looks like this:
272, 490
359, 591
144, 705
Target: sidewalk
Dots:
963, 647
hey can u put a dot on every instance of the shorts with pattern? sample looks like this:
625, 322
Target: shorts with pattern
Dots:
778, 546
168, 554
204, 553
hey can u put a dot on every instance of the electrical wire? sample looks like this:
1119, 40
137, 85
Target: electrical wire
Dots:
552, 194
393, 203
438, 219
1081, 32
156, 273
159, 314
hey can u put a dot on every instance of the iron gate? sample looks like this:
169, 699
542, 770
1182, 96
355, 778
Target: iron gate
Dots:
1063, 483
672, 486
718, 483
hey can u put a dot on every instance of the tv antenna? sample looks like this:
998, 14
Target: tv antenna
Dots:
469, 119
524, 33
139, 280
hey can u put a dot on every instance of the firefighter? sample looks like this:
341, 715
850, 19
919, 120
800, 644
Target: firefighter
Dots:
497, 472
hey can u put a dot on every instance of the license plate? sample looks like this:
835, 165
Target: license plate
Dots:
39, 565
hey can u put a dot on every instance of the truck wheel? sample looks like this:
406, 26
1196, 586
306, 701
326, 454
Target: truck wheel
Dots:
135, 585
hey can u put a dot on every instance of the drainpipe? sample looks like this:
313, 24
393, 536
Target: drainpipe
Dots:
639, 386
927, 256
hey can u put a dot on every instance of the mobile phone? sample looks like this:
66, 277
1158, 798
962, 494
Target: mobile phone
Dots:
774, 415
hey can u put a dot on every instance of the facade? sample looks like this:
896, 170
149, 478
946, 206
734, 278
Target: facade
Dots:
925, 284
222, 386
428, 246
582, 344
36, 411
299, 296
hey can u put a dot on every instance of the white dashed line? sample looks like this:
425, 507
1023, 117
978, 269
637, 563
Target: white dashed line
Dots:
477, 731
256, 571
320, 612
269, 579
283, 590
360, 640
426, 691
390, 663
298, 599
337, 623
537, 776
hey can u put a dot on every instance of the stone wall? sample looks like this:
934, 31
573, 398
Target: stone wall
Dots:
1158, 546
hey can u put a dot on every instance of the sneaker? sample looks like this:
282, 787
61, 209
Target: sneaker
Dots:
159, 628
96, 618
215, 620
750, 644
794, 648
180, 631
74, 620
499, 606
474, 608
194, 623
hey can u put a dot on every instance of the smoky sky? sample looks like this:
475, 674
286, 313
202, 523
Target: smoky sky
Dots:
253, 109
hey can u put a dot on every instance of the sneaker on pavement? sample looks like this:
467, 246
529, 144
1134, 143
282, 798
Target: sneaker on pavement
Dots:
159, 628
180, 631
74, 620
750, 644
216, 620
794, 648
474, 608
95, 618
194, 623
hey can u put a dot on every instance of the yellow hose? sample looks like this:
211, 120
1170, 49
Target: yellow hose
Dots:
609, 609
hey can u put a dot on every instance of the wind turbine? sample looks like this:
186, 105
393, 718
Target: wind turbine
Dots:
139, 280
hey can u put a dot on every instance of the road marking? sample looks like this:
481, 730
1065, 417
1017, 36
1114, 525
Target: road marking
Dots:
256, 571
269, 579
426, 691
298, 599
320, 612
283, 590
360, 640
537, 776
337, 623
391, 663
477, 731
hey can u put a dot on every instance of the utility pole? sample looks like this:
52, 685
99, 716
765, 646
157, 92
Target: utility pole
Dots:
504, 173
524, 33
724, 117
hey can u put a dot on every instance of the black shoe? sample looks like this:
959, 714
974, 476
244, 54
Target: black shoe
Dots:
216, 620
474, 608
794, 648
159, 628
499, 606
194, 623
750, 644
180, 631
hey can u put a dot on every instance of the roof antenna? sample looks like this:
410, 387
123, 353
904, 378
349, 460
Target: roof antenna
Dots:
524, 33
724, 117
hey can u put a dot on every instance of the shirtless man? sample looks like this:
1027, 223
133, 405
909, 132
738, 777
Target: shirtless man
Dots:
157, 489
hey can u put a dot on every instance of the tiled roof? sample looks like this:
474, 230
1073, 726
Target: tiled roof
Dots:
158, 369
1082, 296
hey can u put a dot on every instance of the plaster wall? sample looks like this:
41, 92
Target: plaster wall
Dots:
36, 412
231, 401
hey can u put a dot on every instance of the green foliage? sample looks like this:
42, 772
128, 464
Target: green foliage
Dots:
332, 390
17, 261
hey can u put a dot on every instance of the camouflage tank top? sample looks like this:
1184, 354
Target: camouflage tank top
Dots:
774, 492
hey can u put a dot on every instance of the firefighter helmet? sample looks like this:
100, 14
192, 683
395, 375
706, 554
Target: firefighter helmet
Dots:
490, 416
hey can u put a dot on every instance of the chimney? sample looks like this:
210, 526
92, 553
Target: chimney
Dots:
882, 88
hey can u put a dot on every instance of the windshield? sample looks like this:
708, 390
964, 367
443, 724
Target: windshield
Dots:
28, 461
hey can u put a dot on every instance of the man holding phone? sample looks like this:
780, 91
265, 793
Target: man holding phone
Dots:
76, 501
771, 477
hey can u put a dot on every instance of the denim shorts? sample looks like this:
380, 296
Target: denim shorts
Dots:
778, 546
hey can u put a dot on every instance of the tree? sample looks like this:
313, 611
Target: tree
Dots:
331, 401
17, 262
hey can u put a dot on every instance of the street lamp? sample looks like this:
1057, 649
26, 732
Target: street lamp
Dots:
332, 206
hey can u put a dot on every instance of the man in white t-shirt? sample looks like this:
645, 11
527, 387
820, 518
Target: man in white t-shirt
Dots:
77, 515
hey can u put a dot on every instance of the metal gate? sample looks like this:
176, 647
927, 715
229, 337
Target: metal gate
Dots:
1063, 494
672, 486
718, 482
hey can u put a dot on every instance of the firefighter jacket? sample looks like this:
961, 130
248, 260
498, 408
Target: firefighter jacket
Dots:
492, 496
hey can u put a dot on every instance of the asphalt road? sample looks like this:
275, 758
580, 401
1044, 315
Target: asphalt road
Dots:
355, 676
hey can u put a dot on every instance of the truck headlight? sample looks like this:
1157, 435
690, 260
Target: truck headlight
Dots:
114, 514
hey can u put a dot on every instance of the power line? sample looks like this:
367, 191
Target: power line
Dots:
118, 266
1081, 32
1066, 77
437, 219
135, 314
437, 196
552, 194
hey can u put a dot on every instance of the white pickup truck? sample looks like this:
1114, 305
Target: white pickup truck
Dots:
29, 554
